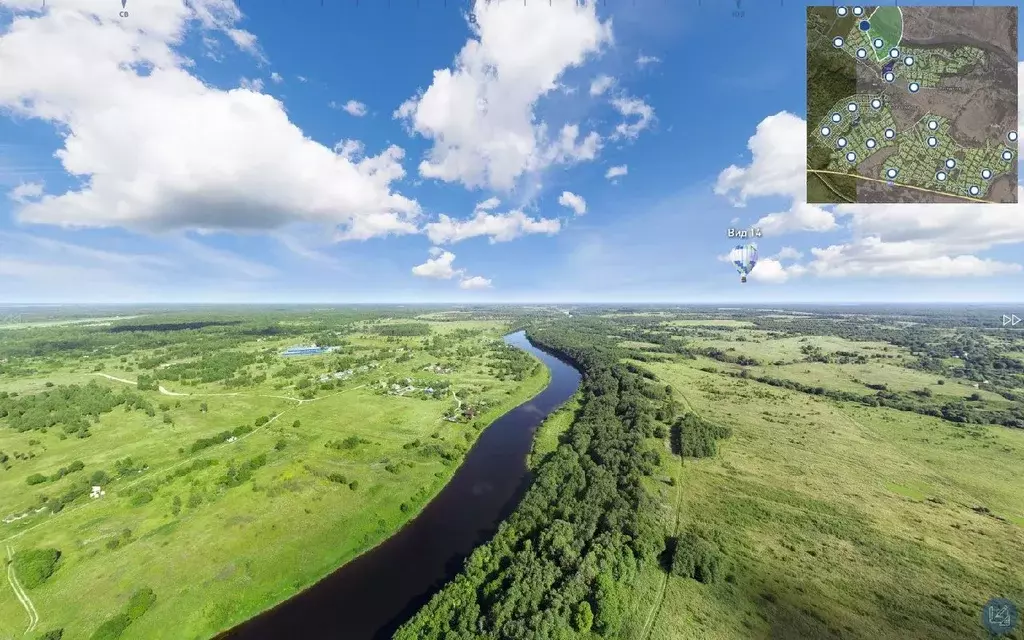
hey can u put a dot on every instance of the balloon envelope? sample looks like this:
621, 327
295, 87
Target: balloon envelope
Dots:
744, 257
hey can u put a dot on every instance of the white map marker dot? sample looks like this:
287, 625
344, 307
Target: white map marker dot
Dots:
932, 142
840, 11
950, 163
1007, 155
852, 106
837, 42
878, 43
876, 103
986, 173
825, 131
858, 11
870, 143
914, 87
891, 173
862, 53
933, 125
841, 142
836, 117
894, 53
889, 76
851, 156
909, 61
974, 190
940, 176
1012, 136
890, 134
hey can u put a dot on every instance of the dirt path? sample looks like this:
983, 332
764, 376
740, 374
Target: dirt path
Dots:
652, 616
168, 392
19, 592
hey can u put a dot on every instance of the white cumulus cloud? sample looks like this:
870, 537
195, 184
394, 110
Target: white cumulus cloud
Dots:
157, 148
252, 84
499, 227
439, 266
601, 84
788, 253
475, 282
480, 114
26, 191
615, 172
574, 202
352, 108
631, 108
642, 60
771, 271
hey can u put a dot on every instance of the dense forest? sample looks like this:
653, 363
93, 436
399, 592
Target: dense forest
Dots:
562, 562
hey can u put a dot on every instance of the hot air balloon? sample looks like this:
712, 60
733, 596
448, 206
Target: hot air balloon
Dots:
744, 257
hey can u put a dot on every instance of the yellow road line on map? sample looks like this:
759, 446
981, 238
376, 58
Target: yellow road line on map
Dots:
905, 186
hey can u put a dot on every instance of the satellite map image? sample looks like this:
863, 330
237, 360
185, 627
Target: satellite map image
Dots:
911, 104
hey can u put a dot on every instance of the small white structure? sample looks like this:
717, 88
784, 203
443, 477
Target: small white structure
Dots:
97, 491
232, 439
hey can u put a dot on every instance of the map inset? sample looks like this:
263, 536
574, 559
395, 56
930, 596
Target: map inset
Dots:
911, 104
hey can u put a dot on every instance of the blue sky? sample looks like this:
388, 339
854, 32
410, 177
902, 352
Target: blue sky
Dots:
290, 152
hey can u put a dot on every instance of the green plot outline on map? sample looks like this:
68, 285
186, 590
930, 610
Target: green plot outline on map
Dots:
926, 157
885, 23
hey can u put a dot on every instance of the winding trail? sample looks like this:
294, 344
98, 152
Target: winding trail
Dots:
168, 392
19, 592
662, 590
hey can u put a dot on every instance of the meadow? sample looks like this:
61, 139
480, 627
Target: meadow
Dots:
833, 519
232, 477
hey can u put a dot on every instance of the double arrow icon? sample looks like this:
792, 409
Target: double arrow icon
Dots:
1011, 320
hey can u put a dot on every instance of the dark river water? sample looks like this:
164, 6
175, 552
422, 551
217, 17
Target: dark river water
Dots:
371, 596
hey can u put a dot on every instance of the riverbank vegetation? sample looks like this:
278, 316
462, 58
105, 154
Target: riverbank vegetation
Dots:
177, 449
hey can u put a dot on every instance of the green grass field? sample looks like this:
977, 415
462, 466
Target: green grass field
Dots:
887, 24
839, 521
546, 439
216, 554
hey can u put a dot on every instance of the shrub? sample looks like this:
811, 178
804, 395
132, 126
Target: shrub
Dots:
353, 485
139, 603
141, 498
35, 566
52, 634
296, 424
112, 628
697, 555
36, 478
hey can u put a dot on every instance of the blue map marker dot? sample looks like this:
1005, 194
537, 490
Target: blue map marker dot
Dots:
864, 25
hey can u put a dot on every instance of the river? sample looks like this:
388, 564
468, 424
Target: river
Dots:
371, 596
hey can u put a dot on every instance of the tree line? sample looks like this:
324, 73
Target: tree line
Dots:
561, 564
